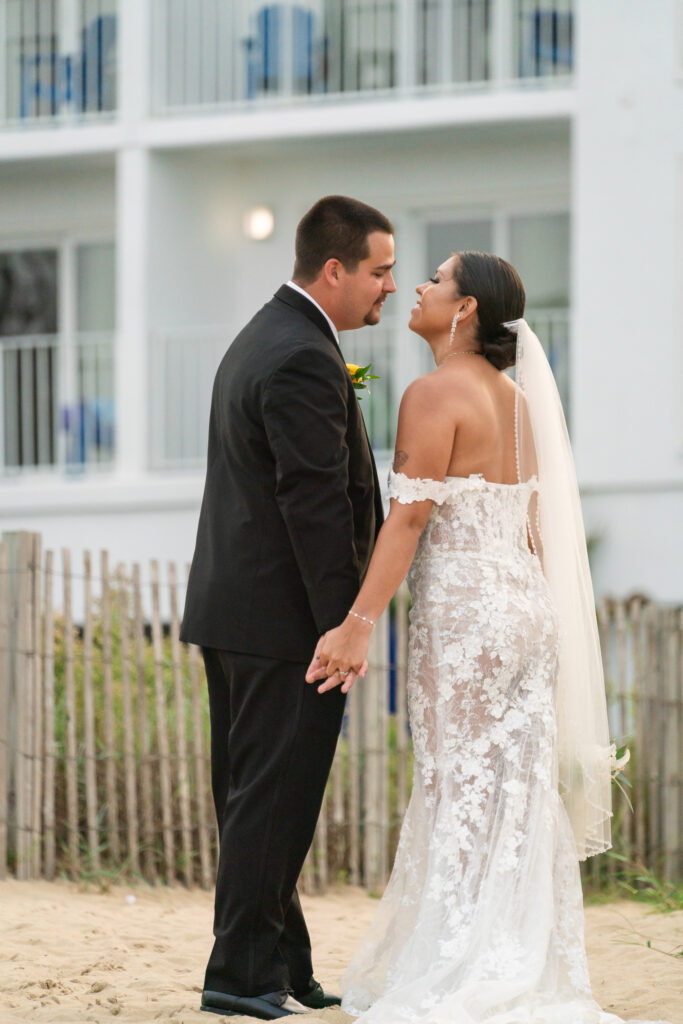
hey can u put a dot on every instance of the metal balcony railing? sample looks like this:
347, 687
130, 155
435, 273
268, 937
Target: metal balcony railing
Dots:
58, 61
215, 53
378, 346
57, 393
186, 361
57, 401
552, 327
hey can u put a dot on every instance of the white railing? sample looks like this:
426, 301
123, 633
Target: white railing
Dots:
378, 346
57, 401
215, 53
186, 361
58, 60
552, 327
57, 393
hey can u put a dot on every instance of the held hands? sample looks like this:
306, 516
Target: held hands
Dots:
340, 656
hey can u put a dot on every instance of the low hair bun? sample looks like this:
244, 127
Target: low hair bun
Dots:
501, 348
499, 292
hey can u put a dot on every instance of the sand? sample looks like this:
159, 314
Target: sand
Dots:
137, 954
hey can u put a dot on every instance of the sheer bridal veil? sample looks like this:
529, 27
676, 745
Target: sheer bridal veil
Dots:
557, 532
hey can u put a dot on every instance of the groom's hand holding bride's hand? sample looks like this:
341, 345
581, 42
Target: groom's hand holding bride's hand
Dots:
340, 657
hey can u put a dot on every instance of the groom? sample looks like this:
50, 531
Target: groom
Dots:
289, 518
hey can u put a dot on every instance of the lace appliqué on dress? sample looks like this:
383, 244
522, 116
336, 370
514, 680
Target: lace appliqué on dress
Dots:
482, 920
406, 489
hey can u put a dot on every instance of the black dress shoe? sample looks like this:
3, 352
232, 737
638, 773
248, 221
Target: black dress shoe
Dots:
316, 999
271, 1006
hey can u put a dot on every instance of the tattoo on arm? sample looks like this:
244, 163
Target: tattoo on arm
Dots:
400, 459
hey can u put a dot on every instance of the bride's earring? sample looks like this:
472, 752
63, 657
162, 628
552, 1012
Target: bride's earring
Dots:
453, 327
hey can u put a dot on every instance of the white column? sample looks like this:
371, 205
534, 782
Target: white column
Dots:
68, 345
406, 40
626, 255
503, 42
132, 270
4, 112
134, 54
132, 243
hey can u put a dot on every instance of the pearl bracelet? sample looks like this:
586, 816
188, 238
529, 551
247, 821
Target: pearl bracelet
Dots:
363, 617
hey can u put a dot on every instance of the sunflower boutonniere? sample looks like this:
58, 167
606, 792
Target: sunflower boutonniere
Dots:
360, 375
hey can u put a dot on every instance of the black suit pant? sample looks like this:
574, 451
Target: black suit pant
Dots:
273, 738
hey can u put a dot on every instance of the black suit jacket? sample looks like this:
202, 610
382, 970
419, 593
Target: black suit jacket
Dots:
292, 504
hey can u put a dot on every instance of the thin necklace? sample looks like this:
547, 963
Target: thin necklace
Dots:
463, 352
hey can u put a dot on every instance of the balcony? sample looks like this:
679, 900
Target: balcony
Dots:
57, 393
57, 403
58, 63
553, 328
60, 59
213, 55
186, 361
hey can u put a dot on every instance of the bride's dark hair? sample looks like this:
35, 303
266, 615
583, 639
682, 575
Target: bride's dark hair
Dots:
499, 292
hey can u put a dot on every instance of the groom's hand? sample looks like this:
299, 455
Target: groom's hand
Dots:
315, 670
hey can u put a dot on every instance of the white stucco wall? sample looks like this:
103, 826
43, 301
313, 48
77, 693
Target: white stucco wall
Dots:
627, 385
52, 198
205, 271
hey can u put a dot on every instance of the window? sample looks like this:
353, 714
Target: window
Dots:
537, 245
56, 365
28, 340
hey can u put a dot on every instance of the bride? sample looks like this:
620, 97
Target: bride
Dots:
482, 919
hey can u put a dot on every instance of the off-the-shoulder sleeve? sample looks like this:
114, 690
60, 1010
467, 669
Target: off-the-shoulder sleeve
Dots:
406, 489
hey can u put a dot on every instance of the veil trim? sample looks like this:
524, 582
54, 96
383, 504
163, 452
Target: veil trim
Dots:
556, 531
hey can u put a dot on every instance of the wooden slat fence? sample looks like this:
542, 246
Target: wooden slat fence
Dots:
104, 732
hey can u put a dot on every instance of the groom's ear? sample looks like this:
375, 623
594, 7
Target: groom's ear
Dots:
331, 272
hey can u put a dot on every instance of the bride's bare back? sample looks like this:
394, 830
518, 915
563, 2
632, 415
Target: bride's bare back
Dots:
458, 420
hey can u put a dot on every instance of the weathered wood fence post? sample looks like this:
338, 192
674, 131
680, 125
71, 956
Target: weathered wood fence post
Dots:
21, 691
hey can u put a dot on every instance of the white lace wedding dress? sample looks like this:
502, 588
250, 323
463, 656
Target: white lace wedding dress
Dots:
482, 919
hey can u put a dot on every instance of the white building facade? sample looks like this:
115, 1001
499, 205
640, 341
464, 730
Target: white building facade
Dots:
136, 136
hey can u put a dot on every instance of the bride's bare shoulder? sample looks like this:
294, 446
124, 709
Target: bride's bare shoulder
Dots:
439, 387
423, 393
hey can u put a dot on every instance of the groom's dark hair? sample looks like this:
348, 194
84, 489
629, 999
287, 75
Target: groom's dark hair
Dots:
337, 227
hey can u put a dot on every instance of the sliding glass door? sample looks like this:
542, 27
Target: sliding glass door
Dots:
56, 355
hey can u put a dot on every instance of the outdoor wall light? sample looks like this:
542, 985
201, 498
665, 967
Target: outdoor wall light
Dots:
258, 223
